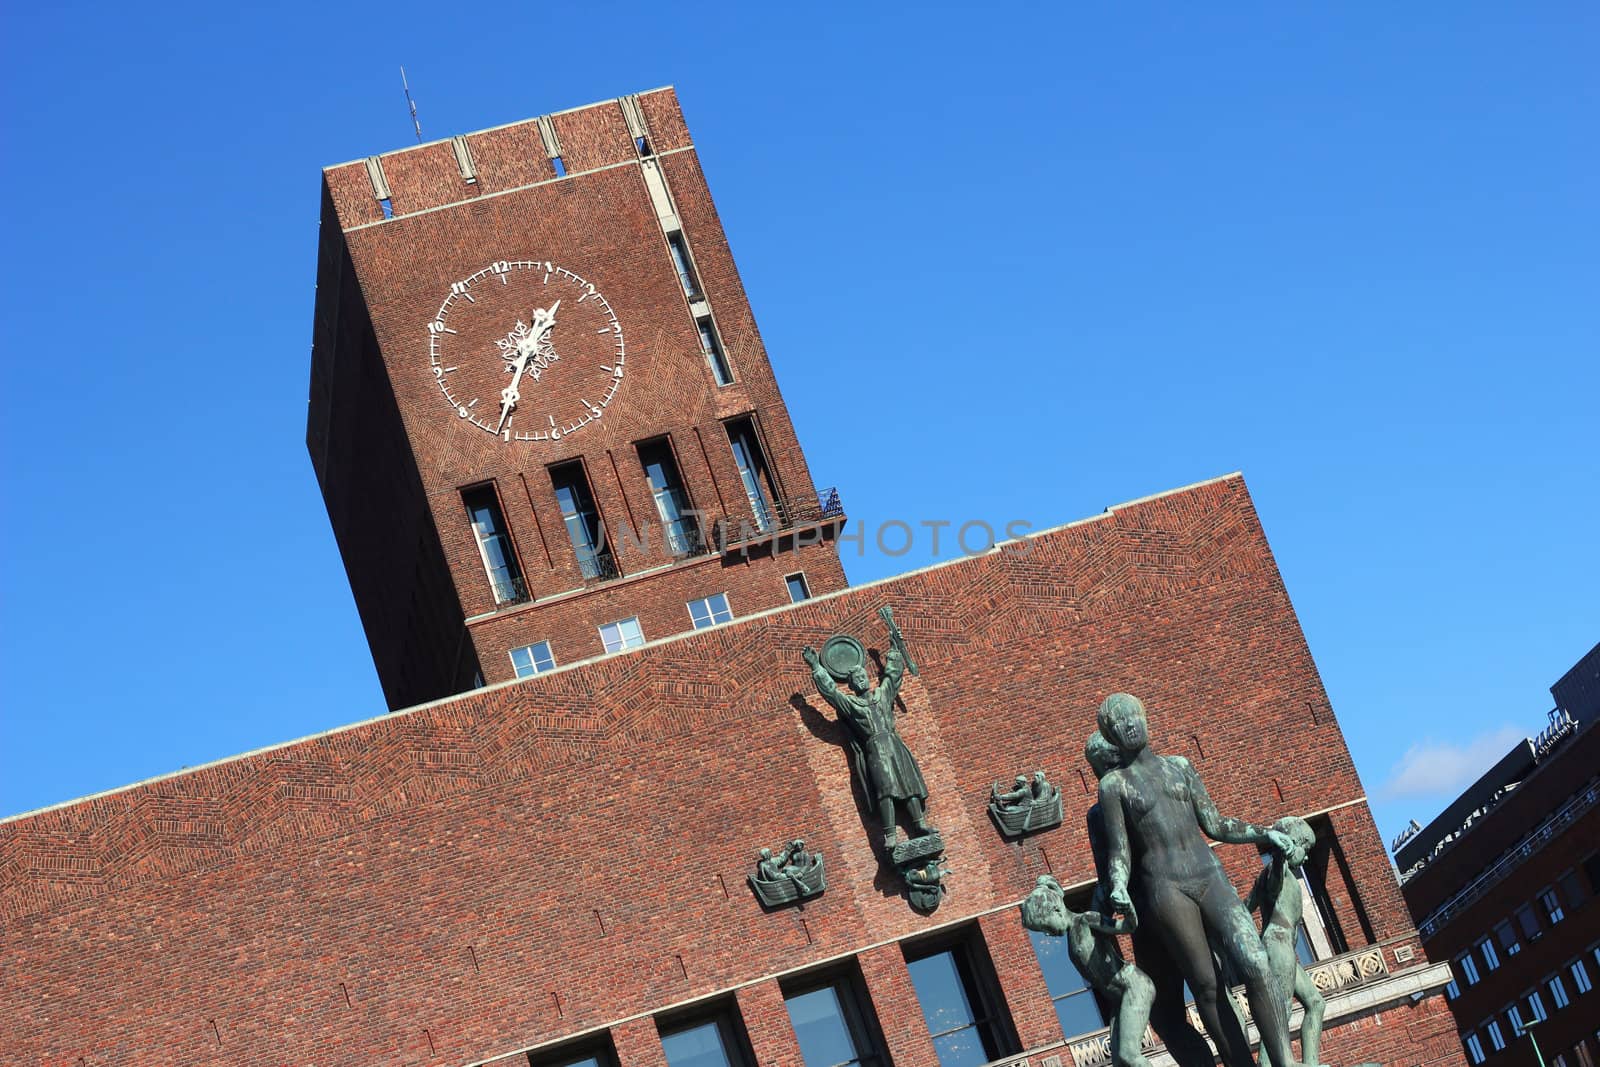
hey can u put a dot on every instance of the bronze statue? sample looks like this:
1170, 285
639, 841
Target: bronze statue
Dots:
885, 766
1091, 942
1277, 894
1157, 817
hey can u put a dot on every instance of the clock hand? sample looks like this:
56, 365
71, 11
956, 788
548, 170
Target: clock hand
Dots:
509, 395
543, 321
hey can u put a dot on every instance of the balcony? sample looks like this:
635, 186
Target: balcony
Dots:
509, 590
770, 522
598, 566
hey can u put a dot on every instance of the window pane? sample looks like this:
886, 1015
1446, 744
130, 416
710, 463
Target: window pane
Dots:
632, 635
941, 993
1493, 1030
696, 1046
1529, 923
797, 588
1580, 976
1552, 906
820, 1028
1469, 969
1491, 959
1079, 1014
1558, 992
1508, 938
1474, 1048
1302, 946
960, 1049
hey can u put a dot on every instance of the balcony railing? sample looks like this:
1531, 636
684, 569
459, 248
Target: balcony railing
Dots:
683, 538
509, 590
598, 566
780, 516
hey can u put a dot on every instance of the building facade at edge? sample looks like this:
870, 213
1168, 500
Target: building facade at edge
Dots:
1503, 884
587, 551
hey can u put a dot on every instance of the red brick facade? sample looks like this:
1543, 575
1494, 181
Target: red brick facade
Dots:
567, 853
393, 457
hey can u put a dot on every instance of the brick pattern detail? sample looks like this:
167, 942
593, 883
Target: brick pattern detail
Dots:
525, 863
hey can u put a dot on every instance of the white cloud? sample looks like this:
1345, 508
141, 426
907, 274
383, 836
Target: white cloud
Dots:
1431, 766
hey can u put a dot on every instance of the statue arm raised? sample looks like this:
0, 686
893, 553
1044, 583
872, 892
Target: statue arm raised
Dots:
894, 669
1220, 827
1119, 859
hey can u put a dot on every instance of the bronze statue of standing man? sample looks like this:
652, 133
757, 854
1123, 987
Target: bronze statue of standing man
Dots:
888, 772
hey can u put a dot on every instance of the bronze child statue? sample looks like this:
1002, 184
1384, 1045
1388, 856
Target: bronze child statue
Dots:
1277, 894
1091, 942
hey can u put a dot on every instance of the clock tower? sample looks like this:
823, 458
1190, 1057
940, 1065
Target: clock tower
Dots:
541, 414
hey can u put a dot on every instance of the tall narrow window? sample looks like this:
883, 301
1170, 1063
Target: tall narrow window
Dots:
494, 544
532, 659
713, 350
1474, 1048
623, 634
1558, 991
1552, 905
683, 265
1075, 1003
1507, 936
1495, 1039
1580, 976
1529, 922
961, 1007
754, 474
1491, 959
706, 1041
798, 590
1572, 889
1468, 969
830, 1025
678, 527
582, 521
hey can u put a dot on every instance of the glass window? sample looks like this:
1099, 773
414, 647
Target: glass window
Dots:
532, 659
798, 590
1529, 923
1507, 936
1468, 969
1558, 992
1514, 1017
582, 520
1536, 1007
626, 633
1495, 1040
591, 1054
1474, 1047
1491, 959
1581, 1052
1552, 905
678, 526
828, 1027
955, 1009
685, 269
753, 472
703, 1043
1572, 889
494, 544
1076, 1006
1453, 990
715, 359
1580, 976
710, 611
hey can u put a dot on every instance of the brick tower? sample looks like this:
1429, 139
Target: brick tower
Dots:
541, 415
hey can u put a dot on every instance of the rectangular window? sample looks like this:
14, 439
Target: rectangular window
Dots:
1468, 969
589, 1053
582, 520
710, 611
1507, 936
1529, 922
1552, 905
1558, 991
624, 634
1580, 977
678, 527
1473, 1046
961, 1005
1536, 1010
1581, 1052
495, 549
683, 265
831, 1025
1496, 1042
754, 474
1573, 891
798, 590
1075, 1003
1491, 959
1453, 990
1514, 1017
714, 1041
532, 659
712, 347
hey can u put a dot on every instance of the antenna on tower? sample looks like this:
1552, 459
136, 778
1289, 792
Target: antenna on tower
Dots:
412, 104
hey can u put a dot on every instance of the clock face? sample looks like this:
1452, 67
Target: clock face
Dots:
526, 351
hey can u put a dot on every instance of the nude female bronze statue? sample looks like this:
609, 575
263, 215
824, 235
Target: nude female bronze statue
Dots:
1157, 817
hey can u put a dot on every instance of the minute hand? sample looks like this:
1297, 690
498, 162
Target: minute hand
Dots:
543, 322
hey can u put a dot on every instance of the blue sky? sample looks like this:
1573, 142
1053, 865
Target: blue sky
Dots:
1065, 257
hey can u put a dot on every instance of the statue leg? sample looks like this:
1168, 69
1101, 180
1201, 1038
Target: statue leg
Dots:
886, 816
919, 818
1184, 932
1239, 938
1306, 993
1282, 962
1133, 1015
1168, 1018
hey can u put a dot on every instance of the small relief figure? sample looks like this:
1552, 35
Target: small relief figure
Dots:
1091, 942
1277, 894
884, 765
925, 884
794, 875
1027, 807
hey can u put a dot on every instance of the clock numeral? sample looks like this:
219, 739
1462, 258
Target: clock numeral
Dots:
437, 326
458, 288
500, 266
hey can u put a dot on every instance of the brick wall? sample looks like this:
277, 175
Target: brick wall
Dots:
568, 852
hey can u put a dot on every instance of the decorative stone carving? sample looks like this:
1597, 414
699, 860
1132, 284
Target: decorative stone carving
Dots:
925, 884
795, 874
1026, 808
